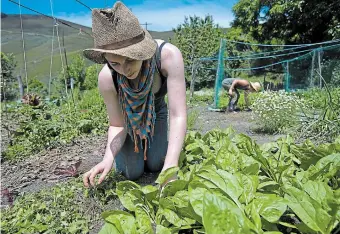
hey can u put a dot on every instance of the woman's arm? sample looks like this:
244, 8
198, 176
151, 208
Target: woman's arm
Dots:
173, 66
109, 94
116, 132
232, 87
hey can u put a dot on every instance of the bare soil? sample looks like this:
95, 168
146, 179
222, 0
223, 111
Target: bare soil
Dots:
240, 121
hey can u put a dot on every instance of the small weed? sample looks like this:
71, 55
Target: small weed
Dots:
192, 119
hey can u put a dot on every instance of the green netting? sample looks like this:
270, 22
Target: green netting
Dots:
314, 69
291, 69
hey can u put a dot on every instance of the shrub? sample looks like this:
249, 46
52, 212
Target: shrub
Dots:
50, 125
91, 77
276, 111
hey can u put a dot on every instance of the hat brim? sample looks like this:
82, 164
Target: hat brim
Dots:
142, 50
255, 87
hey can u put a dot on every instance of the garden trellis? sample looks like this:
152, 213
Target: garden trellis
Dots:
55, 26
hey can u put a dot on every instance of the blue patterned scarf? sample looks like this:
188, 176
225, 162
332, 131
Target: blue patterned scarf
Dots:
138, 105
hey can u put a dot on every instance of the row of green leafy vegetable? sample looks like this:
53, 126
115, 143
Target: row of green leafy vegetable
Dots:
229, 184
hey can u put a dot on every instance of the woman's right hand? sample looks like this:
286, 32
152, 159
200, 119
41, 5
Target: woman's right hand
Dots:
103, 167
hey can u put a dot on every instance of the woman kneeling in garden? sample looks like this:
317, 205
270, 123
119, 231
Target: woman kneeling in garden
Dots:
137, 74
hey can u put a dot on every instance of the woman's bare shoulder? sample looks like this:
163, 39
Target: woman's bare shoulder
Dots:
170, 54
105, 82
168, 48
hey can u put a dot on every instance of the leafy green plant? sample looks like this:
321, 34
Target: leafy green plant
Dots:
8, 65
49, 125
56, 211
77, 69
91, 77
263, 21
224, 100
229, 184
192, 119
226, 184
335, 81
317, 98
66, 208
204, 98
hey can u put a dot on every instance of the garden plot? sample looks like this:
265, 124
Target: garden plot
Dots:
223, 177
273, 166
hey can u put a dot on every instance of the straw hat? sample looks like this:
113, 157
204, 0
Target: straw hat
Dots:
256, 86
118, 31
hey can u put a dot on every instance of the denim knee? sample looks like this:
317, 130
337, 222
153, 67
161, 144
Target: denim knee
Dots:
155, 165
134, 174
128, 162
130, 172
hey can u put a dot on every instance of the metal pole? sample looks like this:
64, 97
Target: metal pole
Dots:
23, 48
21, 86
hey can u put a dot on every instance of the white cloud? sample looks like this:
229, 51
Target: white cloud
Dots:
166, 18
78, 18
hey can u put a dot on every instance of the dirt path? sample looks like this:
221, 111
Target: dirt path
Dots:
240, 121
40, 171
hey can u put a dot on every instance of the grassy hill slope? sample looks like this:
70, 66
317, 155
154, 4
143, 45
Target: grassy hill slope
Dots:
38, 31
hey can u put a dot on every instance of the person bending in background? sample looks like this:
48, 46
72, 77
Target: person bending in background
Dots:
233, 85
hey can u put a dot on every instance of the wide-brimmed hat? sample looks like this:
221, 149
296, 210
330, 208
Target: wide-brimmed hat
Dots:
118, 31
256, 86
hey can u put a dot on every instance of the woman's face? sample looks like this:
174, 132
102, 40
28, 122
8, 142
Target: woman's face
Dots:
125, 66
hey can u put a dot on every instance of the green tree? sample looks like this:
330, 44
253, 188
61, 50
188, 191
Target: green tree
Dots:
91, 77
8, 80
76, 69
37, 87
281, 22
288, 21
198, 37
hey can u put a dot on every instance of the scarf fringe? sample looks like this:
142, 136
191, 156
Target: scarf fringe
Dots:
146, 142
135, 140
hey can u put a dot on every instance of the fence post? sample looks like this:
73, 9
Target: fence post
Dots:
219, 72
21, 86
287, 77
193, 77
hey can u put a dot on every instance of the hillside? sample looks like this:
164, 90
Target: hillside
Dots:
38, 33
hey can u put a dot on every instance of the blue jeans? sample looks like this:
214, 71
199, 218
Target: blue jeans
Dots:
132, 164
233, 100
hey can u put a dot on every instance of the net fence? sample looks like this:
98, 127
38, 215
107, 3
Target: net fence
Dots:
288, 67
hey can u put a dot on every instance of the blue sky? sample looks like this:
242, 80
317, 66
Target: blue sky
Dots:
162, 14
